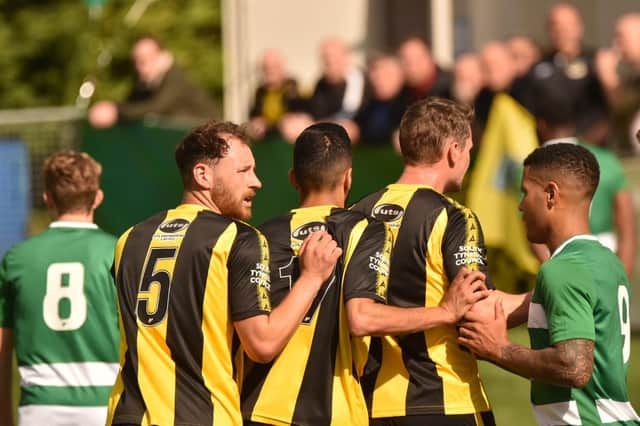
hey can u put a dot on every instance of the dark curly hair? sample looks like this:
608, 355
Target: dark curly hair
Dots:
205, 143
567, 160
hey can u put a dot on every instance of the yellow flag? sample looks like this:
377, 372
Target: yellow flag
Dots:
494, 190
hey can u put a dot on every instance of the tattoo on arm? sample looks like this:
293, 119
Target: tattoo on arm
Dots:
568, 363
577, 356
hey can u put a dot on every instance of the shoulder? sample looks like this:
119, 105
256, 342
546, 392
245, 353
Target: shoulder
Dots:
565, 270
275, 226
366, 203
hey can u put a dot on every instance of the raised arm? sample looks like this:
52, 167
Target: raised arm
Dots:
264, 336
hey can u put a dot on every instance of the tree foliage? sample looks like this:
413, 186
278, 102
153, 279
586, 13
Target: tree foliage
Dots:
51, 46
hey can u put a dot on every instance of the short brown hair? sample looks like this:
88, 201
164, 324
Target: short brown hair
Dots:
205, 143
427, 124
72, 179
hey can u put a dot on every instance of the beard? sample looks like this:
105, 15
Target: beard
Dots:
231, 203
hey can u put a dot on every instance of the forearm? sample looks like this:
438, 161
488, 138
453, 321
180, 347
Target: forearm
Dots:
264, 336
516, 307
369, 318
6, 373
568, 365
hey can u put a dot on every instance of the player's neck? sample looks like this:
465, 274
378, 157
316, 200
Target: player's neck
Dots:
200, 198
75, 217
567, 227
325, 198
432, 176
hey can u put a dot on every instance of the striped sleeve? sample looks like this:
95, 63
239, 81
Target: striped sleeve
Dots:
367, 272
249, 280
463, 244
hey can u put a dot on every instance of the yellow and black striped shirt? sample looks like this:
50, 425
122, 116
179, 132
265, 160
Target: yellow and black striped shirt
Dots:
427, 372
182, 277
312, 381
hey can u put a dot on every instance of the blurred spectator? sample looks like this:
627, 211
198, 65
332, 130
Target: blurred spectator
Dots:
525, 53
568, 70
380, 115
422, 75
161, 89
619, 72
275, 95
468, 79
500, 73
337, 95
612, 217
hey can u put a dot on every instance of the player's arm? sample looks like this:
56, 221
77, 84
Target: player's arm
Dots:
516, 306
264, 336
365, 285
625, 222
6, 373
368, 317
567, 363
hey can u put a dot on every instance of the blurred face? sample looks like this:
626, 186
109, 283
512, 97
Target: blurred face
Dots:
524, 52
468, 78
498, 66
386, 78
335, 60
416, 61
146, 54
627, 38
565, 29
534, 208
272, 67
235, 180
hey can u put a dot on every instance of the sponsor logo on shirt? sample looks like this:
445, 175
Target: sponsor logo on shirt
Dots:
173, 226
387, 212
470, 255
303, 231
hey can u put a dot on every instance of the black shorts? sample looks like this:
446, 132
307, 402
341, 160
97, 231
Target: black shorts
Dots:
485, 419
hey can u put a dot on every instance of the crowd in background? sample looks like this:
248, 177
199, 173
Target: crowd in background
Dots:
603, 84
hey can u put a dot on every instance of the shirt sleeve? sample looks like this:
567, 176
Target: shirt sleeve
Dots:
367, 270
6, 296
249, 280
568, 301
463, 244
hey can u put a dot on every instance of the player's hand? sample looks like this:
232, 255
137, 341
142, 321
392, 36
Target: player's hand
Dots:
318, 256
467, 288
485, 335
103, 114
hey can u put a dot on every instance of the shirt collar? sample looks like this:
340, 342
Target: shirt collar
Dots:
574, 238
70, 224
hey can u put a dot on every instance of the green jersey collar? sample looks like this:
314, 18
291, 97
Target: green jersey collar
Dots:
575, 237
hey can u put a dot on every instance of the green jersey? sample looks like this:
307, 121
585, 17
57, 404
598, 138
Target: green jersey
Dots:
58, 296
582, 292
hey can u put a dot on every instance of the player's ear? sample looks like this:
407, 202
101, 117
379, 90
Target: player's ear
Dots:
201, 176
292, 180
99, 198
348, 180
453, 152
552, 192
